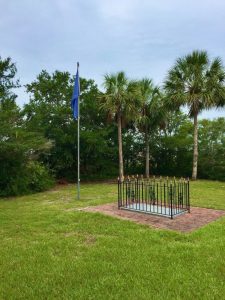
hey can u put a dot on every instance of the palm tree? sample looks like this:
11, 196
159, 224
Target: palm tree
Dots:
120, 101
198, 83
152, 114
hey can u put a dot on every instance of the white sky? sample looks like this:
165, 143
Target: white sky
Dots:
143, 38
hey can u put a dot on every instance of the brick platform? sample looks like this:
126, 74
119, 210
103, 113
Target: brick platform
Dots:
183, 223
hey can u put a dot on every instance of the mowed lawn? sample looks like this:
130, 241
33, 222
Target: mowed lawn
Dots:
50, 249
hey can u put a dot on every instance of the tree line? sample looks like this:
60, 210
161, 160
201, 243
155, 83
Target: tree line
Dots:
134, 120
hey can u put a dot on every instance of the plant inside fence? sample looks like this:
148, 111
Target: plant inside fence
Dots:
160, 196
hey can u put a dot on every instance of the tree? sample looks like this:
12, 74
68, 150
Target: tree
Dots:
212, 149
49, 111
120, 101
152, 114
19, 147
197, 82
7, 79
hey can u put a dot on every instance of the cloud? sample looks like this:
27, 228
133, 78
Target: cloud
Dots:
143, 38
118, 10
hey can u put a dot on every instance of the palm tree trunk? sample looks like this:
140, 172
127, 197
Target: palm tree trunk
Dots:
120, 146
195, 154
147, 155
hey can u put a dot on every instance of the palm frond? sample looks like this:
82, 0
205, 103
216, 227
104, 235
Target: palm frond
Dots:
195, 81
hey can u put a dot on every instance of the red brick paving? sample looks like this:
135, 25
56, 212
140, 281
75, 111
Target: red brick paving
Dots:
185, 223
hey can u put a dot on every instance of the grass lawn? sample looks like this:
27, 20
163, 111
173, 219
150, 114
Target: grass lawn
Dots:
51, 250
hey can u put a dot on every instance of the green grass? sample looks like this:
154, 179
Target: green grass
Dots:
210, 194
51, 250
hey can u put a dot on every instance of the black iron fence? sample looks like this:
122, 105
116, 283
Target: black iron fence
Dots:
160, 196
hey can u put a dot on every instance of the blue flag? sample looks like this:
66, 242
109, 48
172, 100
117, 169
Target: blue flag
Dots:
75, 97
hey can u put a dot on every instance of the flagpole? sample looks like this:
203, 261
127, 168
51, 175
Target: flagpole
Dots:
78, 145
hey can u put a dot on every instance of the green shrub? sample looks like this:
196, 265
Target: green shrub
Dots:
24, 178
38, 177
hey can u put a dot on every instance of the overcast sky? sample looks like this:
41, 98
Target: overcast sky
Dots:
143, 37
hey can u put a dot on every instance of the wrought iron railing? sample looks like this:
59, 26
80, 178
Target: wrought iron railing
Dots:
160, 196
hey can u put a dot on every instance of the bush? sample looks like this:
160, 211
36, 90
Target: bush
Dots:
39, 178
24, 178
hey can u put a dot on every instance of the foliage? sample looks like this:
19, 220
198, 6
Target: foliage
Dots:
43, 134
171, 147
152, 114
197, 82
120, 97
38, 176
121, 102
49, 112
7, 79
212, 149
18, 145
